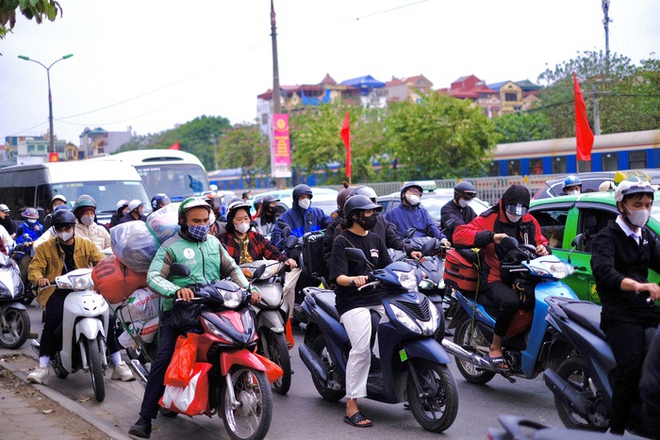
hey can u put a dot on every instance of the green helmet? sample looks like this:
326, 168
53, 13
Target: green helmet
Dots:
85, 200
189, 203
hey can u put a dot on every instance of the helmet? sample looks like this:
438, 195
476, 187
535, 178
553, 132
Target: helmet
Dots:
406, 186
516, 199
158, 199
607, 185
633, 185
269, 199
234, 206
4, 208
63, 217
30, 213
123, 203
359, 203
366, 191
571, 181
58, 197
299, 190
134, 204
189, 203
344, 194
84, 201
465, 189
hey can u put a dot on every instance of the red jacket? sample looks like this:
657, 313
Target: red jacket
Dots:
479, 233
258, 247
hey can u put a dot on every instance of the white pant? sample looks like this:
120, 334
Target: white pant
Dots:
357, 323
289, 288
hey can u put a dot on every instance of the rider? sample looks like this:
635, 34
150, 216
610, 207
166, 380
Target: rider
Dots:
353, 305
266, 215
56, 201
6, 221
85, 212
122, 209
159, 200
330, 231
572, 185
135, 208
208, 261
410, 214
457, 211
622, 253
53, 258
30, 229
510, 218
245, 245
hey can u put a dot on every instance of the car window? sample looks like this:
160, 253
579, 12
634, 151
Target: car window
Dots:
590, 222
553, 224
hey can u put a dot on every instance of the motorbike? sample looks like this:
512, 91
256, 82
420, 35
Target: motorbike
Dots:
14, 318
83, 332
272, 312
526, 345
22, 254
412, 365
239, 390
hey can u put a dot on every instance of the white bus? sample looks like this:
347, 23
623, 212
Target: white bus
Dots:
175, 173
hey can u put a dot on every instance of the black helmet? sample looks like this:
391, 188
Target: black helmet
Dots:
63, 217
516, 199
299, 190
343, 195
366, 191
359, 203
406, 186
465, 189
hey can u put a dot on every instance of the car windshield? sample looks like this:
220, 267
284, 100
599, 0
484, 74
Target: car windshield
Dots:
105, 193
177, 181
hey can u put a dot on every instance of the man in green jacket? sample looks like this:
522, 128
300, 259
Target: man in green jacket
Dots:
207, 261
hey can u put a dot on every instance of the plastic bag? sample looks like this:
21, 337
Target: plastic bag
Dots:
179, 372
145, 330
134, 245
185, 315
192, 399
164, 223
115, 281
141, 305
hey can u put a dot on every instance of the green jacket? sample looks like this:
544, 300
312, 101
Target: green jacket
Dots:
207, 261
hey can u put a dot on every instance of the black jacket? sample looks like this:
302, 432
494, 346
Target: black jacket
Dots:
452, 215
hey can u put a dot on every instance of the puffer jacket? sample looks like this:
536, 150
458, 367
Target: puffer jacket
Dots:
300, 221
95, 233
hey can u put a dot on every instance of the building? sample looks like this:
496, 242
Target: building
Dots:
26, 150
99, 142
401, 89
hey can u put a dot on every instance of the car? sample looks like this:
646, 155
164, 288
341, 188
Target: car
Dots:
433, 201
324, 198
591, 181
562, 218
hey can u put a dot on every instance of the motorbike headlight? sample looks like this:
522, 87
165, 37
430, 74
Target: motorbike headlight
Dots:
81, 282
408, 280
215, 330
426, 284
406, 320
231, 298
557, 269
429, 327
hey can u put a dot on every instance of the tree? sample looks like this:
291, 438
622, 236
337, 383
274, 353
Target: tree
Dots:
244, 146
31, 9
627, 94
521, 127
439, 137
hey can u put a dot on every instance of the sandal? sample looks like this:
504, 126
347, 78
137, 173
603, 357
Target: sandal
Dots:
498, 362
355, 420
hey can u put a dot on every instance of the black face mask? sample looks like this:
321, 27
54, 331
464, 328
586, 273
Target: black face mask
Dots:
270, 210
368, 223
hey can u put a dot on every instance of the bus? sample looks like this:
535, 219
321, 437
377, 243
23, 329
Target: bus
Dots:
175, 173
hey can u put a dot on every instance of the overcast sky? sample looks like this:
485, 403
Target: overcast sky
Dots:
153, 64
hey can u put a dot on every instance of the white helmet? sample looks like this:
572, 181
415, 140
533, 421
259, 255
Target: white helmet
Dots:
633, 185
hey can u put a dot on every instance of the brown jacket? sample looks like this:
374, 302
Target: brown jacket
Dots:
48, 262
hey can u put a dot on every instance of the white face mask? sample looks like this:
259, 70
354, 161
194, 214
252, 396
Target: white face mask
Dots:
463, 203
413, 199
65, 236
242, 228
512, 217
573, 191
87, 219
304, 203
638, 217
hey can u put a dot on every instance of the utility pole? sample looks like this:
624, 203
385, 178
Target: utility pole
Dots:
276, 74
596, 111
606, 25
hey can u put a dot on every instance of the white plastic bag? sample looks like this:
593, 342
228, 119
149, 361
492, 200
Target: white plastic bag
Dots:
145, 330
134, 245
164, 223
141, 305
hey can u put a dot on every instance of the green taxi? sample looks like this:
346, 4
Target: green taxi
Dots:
562, 218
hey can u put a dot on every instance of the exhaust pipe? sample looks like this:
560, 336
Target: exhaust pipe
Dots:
562, 390
139, 372
314, 363
463, 354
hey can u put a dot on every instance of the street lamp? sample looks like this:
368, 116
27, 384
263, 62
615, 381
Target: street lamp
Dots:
51, 148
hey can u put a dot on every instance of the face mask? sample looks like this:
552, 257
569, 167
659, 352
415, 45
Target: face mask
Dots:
242, 228
31, 221
65, 235
574, 191
638, 217
270, 210
462, 203
87, 219
304, 203
413, 199
512, 217
199, 232
368, 222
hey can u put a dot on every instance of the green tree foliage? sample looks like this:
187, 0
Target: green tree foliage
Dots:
627, 94
199, 137
244, 146
31, 9
439, 137
521, 127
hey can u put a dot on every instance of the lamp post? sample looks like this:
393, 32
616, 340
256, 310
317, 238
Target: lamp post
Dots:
51, 147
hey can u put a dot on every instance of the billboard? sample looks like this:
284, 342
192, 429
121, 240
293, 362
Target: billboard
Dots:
280, 147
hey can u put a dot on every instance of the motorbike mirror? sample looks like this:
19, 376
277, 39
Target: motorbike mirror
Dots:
428, 247
509, 243
410, 232
286, 231
291, 241
260, 271
356, 255
179, 270
577, 242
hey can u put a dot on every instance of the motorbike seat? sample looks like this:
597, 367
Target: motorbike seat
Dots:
586, 314
325, 299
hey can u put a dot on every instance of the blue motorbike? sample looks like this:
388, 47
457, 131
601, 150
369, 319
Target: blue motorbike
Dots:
526, 345
412, 366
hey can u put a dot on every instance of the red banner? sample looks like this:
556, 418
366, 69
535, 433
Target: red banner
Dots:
175, 146
346, 137
53, 157
584, 137
280, 153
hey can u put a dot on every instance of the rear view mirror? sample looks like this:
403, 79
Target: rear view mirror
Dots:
353, 254
179, 270
509, 243
410, 232
428, 247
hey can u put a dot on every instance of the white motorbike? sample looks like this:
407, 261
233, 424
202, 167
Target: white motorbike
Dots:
14, 318
84, 330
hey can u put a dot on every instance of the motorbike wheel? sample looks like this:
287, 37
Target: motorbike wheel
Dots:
251, 419
56, 362
573, 370
435, 405
278, 352
319, 347
15, 328
95, 368
478, 342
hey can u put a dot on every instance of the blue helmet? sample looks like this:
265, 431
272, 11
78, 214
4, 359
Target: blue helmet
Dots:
571, 181
158, 199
